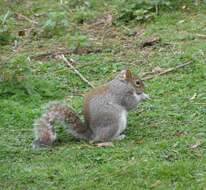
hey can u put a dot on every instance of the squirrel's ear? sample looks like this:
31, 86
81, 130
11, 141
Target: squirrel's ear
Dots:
126, 74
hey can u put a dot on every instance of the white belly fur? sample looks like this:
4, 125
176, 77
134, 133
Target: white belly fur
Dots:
122, 122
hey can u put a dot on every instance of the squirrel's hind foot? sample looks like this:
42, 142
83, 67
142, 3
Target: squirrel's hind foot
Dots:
41, 144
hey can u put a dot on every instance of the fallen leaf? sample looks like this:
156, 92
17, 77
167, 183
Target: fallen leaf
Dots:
150, 41
157, 70
154, 71
180, 133
155, 184
109, 19
25, 32
196, 145
194, 96
181, 21
184, 7
21, 33
140, 141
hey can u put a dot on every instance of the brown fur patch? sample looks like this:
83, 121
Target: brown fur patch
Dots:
88, 97
71, 117
46, 136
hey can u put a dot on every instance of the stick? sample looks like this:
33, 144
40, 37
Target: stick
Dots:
47, 55
5, 17
201, 35
75, 70
65, 52
157, 9
167, 71
26, 18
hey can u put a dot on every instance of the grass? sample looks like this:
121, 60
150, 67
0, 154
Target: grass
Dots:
165, 144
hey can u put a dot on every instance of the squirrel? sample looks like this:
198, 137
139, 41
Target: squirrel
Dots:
105, 112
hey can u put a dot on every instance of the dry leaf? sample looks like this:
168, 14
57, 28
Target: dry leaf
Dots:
194, 96
25, 32
157, 70
184, 7
196, 145
18, 16
155, 184
154, 71
180, 133
140, 141
150, 41
109, 19
21, 33
181, 21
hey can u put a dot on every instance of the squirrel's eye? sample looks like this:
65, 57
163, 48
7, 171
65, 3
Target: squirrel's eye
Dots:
137, 83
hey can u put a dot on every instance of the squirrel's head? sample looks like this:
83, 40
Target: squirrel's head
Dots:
130, 89
135, 81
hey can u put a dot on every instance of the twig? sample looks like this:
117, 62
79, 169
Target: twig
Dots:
5, 17
197, 2
47, 55
201, 36
157, 9
39, 14
86, 64
21, 16
55, 54
167, 71
69, 63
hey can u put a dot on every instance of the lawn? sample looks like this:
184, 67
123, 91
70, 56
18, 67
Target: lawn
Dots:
165, 144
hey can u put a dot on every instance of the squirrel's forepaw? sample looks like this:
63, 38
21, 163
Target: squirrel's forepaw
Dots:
120, 137
104, 144
145, 96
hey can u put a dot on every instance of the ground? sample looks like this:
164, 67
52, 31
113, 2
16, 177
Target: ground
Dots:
164, 146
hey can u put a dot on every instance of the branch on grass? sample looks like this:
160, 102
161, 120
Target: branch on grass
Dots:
47, 55
55, 54
21, 16
201, 36
166, 71
70, 63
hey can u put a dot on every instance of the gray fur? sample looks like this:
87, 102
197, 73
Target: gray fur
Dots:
105, 110
107, 114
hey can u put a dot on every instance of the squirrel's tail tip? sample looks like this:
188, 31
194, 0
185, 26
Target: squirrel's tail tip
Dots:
45, 136
40, 144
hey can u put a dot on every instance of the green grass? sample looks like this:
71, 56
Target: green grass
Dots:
157, 152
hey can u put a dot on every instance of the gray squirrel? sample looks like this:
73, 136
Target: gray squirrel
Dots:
105, 112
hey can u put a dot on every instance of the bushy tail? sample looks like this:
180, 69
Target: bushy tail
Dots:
44, 131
